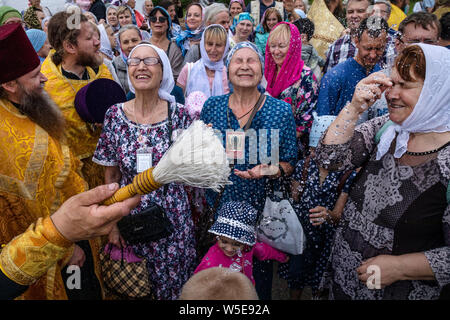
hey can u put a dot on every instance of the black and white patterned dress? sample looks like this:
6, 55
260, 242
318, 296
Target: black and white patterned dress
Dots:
396, 206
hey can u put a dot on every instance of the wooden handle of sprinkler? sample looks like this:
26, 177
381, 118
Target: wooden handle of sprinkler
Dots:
143, 183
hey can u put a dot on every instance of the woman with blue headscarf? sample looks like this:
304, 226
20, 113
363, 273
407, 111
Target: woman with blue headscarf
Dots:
270, 155
161, 24
242, 27
194, 28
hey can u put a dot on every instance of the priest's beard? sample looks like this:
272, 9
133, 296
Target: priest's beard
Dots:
89, 60
41, 109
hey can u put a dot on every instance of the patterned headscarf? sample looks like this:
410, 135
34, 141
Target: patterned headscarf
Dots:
31, 19
291, 70
245, 44
241, 17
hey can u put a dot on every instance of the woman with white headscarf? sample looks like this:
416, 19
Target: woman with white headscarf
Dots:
107, 40
143, 129
207, 75
396, 223
111, 17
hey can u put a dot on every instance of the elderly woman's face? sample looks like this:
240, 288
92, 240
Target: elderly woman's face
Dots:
128, 40
235, 9
402, 97
156, 25
245, 68
143, 76
244, 29
112, 17
194, 17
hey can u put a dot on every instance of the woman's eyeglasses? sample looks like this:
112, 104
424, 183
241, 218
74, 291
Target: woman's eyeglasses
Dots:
150, 61
161, 19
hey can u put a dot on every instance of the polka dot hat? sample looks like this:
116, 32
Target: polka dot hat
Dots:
237, 221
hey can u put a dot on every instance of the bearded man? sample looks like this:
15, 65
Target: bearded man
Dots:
74, 62
38, 171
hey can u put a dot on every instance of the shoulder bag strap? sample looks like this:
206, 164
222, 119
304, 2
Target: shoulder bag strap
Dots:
255, 109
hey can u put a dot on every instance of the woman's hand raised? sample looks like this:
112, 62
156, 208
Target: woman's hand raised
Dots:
368, 90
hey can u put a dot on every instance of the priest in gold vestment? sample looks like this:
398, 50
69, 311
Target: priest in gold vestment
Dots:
69, 67
38, 171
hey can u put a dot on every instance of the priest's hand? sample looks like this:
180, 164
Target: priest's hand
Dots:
83, 217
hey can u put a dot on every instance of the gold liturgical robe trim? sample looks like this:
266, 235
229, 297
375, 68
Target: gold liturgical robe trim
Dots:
37, 175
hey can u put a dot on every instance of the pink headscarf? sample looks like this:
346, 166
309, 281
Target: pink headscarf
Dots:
291, 70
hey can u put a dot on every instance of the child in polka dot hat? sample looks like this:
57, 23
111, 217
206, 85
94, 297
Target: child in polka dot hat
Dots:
235, 230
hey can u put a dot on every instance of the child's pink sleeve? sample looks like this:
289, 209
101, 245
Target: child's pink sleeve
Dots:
263, 251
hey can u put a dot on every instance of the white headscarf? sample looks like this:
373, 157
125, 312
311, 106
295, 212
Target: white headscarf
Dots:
432, 111
105, 44
198, 79
167, 82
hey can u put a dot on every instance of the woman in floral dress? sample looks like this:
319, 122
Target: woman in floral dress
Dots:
289, 79
141, 126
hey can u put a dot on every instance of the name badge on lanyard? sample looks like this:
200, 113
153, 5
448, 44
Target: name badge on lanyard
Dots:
235, 144
144, 159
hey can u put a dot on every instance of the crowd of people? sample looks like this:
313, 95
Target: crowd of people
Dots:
341, 107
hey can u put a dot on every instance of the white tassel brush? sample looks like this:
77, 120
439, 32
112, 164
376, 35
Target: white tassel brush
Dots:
196, 158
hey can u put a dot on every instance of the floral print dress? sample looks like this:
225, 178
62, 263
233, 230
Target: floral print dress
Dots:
172, 260
302, 96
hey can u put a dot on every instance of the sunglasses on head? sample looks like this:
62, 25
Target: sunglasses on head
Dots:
161, 19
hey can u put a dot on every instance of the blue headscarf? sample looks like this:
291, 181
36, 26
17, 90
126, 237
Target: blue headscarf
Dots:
167, 15
241, 17
250, 45
245, 44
